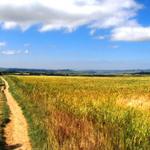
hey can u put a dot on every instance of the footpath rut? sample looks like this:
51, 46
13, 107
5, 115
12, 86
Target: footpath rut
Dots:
16, 131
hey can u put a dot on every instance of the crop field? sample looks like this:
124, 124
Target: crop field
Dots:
85, 113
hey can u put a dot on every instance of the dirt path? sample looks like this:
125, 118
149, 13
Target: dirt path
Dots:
16, 132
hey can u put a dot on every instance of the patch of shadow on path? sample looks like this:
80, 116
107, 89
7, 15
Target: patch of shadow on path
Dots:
13, 147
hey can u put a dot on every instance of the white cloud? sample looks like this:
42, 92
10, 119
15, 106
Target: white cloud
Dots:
136, 33
9, 25
14, 52
116, 15
2, 44
66, 14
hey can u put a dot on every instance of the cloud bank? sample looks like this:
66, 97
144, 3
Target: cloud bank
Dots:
118, 16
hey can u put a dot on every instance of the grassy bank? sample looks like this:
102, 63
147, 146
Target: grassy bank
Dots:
83, 113
4, 116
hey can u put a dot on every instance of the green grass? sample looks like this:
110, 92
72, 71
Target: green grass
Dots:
85, 113
4, 117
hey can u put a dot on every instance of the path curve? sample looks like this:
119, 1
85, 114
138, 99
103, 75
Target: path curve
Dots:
16, 131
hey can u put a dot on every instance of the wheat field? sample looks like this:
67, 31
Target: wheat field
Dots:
85, 113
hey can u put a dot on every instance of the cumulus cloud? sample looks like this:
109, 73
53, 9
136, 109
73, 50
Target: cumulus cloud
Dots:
119, 16
136, 33
66, 14
14, 52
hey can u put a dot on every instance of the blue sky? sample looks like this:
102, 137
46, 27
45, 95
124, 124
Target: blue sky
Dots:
92, 34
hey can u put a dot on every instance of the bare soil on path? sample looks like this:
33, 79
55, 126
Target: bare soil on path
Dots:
16, 131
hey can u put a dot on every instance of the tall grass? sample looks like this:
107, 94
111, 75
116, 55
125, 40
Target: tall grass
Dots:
83, 113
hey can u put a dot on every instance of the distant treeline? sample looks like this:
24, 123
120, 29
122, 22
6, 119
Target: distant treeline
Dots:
68, 72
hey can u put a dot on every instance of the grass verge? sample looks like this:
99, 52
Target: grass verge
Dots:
4, 117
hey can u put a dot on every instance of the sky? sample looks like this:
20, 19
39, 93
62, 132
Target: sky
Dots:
75, 34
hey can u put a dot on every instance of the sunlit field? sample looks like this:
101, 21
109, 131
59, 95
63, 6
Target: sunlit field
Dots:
85, 113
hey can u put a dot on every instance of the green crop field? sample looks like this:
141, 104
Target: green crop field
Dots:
85, 113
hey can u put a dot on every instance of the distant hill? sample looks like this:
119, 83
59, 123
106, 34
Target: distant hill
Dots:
66, 72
